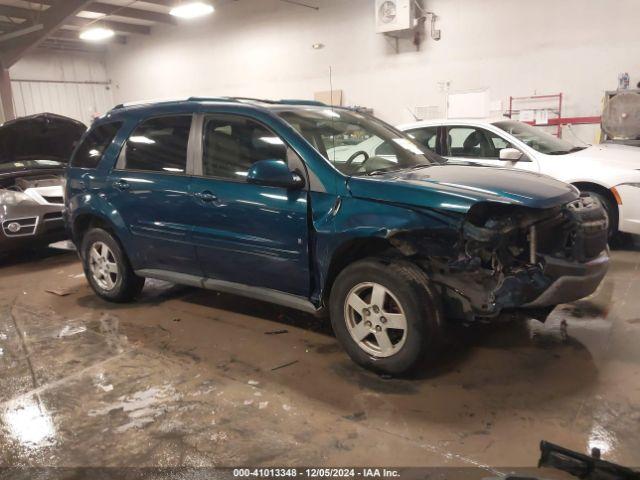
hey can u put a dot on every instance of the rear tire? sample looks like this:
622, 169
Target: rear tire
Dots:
107, 267
386, 315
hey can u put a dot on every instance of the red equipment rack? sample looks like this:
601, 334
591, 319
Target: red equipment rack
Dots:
556, 110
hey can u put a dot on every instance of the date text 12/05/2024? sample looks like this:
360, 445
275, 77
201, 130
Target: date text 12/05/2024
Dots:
315, 472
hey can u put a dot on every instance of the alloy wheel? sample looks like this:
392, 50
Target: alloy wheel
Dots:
103, 266
375, 319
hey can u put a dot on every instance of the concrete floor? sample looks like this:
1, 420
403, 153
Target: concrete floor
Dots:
189, 377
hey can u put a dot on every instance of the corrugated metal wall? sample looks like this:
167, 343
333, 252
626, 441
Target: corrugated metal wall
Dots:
71, 84
82, 101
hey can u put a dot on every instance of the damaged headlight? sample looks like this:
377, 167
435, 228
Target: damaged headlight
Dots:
12, 197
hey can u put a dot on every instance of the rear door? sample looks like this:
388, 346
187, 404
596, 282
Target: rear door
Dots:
245, 233
149, 188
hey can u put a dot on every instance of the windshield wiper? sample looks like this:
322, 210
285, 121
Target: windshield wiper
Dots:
564, 152
379, 171
420, 165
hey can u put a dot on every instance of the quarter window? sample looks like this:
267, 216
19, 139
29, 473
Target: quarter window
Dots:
233, 144
92, 148
159, 145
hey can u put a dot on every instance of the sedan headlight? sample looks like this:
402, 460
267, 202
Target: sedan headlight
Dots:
12, 197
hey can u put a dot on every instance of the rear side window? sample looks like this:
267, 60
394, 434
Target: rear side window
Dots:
90, 151
232, 144
159, 145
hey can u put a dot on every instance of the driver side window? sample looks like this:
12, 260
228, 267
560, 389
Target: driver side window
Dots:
427, 137
231, 145
385, 149
474, 142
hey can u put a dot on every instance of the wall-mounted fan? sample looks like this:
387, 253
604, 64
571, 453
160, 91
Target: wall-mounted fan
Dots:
394, 15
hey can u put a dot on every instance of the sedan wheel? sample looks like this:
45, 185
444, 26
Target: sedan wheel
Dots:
375, 319
103, 266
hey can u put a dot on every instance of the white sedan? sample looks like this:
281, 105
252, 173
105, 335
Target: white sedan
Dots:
610, 172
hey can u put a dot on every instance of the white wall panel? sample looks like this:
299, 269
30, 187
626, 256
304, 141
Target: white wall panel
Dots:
71, 84
264, 48
76, 100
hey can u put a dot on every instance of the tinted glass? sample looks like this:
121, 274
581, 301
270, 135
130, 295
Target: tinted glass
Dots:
159, 145
90, 151
464, 142
233, 144
475, 142
426, 137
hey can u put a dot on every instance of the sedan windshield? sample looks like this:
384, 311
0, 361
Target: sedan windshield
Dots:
358, 144
537, 139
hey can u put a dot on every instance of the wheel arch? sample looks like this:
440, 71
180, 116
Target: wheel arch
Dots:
352, 251
85, 222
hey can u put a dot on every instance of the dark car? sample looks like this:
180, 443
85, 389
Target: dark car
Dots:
244, 196
34, 152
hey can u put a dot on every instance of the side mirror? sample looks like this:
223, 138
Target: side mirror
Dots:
511, 154
274, 173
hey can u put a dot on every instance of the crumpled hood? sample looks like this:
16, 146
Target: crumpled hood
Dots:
619, 156
45, 136
458, 187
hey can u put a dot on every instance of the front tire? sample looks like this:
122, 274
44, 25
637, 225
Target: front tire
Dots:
611, 210
107, 268
386, 315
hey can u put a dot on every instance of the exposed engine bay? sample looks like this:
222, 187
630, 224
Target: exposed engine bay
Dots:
506, 257
42, 189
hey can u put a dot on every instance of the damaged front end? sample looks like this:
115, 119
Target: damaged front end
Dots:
508, 257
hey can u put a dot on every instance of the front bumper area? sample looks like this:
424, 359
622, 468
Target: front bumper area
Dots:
40, 225
570, 281
524, 260
630, 209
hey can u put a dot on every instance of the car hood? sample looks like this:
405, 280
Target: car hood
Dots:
45, 136
458, 187
620, 156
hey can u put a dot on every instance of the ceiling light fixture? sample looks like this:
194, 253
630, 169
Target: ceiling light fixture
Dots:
96, 34
192, 10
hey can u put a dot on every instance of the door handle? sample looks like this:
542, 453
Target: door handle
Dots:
205, 196
84, 180
121, 185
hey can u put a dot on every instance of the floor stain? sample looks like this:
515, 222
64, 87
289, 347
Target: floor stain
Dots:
87, 383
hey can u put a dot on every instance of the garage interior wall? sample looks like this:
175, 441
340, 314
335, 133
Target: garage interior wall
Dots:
263, 48
74, 84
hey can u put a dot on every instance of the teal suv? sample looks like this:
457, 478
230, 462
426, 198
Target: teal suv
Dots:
258, 198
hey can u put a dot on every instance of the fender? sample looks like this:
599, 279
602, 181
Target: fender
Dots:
354, 229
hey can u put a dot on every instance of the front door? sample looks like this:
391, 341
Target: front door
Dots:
477, 145
245, 233
150, 191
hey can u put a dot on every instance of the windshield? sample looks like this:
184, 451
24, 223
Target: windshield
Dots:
537, 139
29, 164
358, 144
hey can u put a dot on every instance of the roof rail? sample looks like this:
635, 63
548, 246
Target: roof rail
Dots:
292, 101
281, 102
212, 99
149, 101
221, 99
